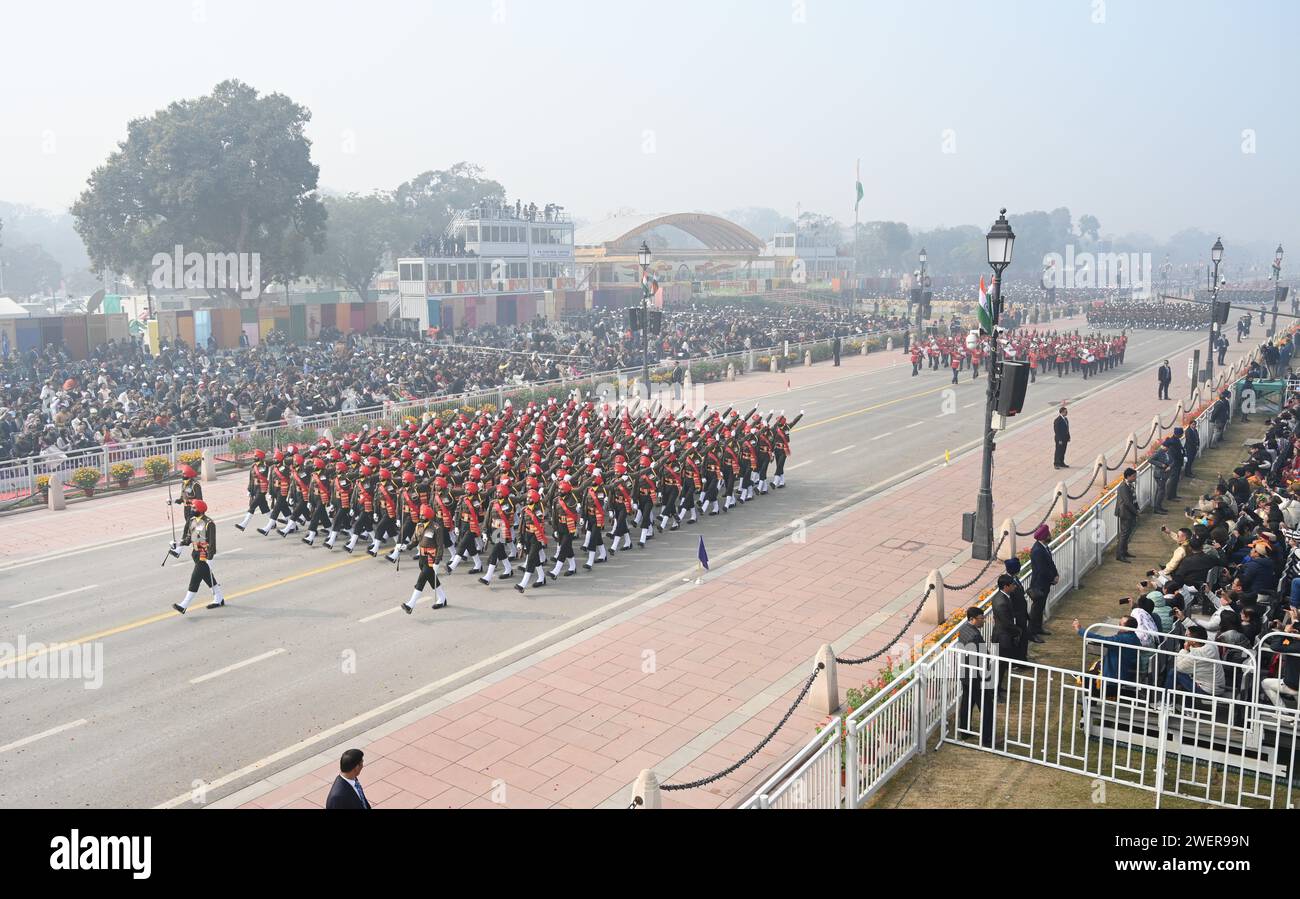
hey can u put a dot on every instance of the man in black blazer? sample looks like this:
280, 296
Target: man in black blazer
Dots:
1126, 510
346, 790
1164, 376
1061, 426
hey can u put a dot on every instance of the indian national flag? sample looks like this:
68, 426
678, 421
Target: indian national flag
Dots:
858, 177
986, 309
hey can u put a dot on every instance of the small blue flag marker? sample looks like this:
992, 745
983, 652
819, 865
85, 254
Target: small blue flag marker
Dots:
704, 556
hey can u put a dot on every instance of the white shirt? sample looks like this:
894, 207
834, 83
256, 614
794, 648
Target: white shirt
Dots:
353, 784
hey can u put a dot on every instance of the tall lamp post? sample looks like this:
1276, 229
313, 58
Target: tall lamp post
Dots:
1277, 287
1216, 256
923, 257
643, 258
1000, 240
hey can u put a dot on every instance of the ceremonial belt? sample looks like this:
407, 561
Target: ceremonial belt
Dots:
501, 516
598, 506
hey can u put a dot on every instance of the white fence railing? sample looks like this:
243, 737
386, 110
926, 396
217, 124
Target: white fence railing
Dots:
814, 778
891, 728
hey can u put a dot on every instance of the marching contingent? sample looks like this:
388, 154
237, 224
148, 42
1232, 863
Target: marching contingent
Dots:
1045, 351
514, 488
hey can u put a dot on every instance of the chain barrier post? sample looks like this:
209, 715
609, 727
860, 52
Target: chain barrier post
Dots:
1009, 528
934, 584
645, 790
209, 465
56, 501
826, 695
1065, 496
1102, 469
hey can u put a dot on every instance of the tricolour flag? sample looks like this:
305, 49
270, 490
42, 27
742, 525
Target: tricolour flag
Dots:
985, 309
858, 178
704, 556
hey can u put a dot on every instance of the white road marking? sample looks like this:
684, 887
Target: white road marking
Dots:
843, 449
32, 602
968, 405
237, 666
231, 552
42, 735
883, 436
377, 615
915, 424
800, 465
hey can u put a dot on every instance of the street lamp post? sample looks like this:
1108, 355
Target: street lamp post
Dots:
1277, 288
924, 257
643, 257
1000, 240
1216, 256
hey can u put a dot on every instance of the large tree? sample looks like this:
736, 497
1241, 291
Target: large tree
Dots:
29, 270
362, 229
428, 201
230, 172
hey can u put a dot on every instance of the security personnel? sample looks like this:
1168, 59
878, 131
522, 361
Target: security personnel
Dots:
201, 535
430, 556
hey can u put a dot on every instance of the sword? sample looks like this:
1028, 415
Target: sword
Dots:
171, 513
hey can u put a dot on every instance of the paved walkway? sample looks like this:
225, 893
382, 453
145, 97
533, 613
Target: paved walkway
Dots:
690, 681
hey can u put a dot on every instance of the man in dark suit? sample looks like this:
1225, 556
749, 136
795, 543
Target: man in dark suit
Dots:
1126, 510
1042, 577
1191, 446
1165, 376
346, 790
1006, 634
1061, 426
1177, 459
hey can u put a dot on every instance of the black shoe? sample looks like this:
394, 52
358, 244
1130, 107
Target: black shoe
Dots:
407, 609
1063, 465
485, 582
1036, 639
519, 588
478, 570
177, 607
570, 572
372, 553
539, 584
264, 533
674, 527
239, 527
1159, 512
347, 549
606, 559
1124, 559
586, 567
1043, 632
216, 605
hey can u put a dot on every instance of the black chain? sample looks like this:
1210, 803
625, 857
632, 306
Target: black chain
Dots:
636, 800
1043, 521
1096, 470
1150, 437
888, 646
1123, 460
704, 781
982, 571
1171, 422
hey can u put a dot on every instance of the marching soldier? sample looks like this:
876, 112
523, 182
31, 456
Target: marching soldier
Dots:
564, 518
190, 491
201, 535
409, 497
623, 504
343, 495
470, 530
534, 542
385, 512
280, 488
259, 485
365, 505
593, 516
321, 501
500, 515
430, 555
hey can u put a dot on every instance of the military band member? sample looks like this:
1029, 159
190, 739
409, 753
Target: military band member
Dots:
201, 536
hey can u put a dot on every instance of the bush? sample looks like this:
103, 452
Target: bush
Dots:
193, 458
121, 472
86, 478
42, 482
239, 447
158, 467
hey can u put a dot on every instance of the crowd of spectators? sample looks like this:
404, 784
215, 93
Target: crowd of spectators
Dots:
1159, 315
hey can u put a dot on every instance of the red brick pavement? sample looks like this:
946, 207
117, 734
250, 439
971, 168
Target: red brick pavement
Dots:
573, 728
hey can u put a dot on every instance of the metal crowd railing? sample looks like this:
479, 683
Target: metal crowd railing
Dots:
892, 726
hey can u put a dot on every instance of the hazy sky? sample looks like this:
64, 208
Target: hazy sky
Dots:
1137, 111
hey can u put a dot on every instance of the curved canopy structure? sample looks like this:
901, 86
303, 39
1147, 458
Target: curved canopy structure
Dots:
625, 232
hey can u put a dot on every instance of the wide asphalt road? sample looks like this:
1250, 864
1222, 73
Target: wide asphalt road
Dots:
311, 639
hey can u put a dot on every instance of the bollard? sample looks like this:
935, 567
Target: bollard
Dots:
865, 349
773, 368
889, 344
826, 689
1101, 468
56, 501
1009, 544
1133, 444
646, 789
749, 361
1064, 495
937, 615
731, 372
807, 357
688, 383
209, 465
